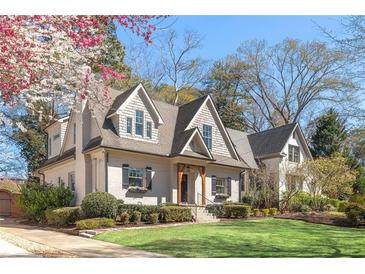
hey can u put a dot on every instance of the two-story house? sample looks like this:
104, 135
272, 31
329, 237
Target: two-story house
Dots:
146, 151
142, 150
281, 150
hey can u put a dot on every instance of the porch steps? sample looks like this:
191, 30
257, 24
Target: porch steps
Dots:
201, 215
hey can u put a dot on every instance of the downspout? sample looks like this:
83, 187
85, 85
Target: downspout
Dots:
106, 160
44, 176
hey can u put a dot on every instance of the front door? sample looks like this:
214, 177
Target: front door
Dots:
184, 189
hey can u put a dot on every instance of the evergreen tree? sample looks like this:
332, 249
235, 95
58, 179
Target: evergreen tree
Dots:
329, 135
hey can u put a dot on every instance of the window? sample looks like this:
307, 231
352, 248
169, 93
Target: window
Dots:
129, 125
139, 123
135, 176
74, 133
221, 186
149, 130
71, 181
49, 146
59, 181
207, 136
294, 154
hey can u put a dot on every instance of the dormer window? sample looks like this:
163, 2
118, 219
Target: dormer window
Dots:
207, 136
139, 123
129, 125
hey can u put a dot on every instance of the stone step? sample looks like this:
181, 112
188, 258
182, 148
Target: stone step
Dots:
85, 235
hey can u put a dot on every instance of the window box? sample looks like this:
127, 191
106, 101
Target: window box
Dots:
137, 189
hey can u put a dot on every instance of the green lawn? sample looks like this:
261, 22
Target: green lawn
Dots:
255, 238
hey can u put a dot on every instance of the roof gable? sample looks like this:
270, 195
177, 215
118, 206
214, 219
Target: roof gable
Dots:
207, 105
270, 143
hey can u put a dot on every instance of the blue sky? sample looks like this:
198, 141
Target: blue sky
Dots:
223, 34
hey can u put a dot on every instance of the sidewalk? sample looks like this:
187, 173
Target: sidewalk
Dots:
73, 245
8, 250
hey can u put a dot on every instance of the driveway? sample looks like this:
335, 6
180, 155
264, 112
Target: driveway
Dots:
8, 250
49, 243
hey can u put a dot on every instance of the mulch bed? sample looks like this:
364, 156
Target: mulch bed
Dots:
318, 218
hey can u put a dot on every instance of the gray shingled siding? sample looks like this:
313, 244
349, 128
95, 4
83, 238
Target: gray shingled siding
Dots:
134, 104
205, 116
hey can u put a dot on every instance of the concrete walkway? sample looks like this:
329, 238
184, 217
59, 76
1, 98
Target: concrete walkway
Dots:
73, 246
8, 250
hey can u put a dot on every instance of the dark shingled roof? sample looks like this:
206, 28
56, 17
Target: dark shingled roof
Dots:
120, 100
64, 156
271, 141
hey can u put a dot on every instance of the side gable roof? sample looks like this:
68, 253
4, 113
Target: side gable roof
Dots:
272, 141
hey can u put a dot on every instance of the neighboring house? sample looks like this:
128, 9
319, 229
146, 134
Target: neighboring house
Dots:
280, 150
146, 151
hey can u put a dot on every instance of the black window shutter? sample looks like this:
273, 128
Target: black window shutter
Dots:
125, 174
214, 185
229, 186
149, 177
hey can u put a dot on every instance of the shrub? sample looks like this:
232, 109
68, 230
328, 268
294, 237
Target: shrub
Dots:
135, 217
95, 223
175, 214
216, 209
99, 204
145, 210
154, 218
256, 212
342, 205
237, 211
358, 198
265, 212
273, 211
124, 218
36, 198
63, 216
355, 213
334, 202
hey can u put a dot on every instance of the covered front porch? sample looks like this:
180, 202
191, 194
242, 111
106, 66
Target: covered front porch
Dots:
191, 184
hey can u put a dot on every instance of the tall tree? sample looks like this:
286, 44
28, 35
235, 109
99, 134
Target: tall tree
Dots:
329, 135
288, 79
30, 137
223, 84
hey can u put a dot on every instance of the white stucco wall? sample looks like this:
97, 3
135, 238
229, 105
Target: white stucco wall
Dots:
59, 170
160, 192
52, 131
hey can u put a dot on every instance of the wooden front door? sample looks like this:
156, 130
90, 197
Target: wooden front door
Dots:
184, 189
5, 204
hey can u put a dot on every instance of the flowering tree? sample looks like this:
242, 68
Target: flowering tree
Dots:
50, 57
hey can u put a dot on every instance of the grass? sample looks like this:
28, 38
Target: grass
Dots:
254, 238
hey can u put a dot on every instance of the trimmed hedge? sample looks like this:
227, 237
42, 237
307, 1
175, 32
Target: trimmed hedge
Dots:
265, 212
145, 210
170, 214
63, 216
124, 218
99, 204
216, 209
153, 218
237, 211
95, 223
135, 217
355, 213
273, 211
256, 212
